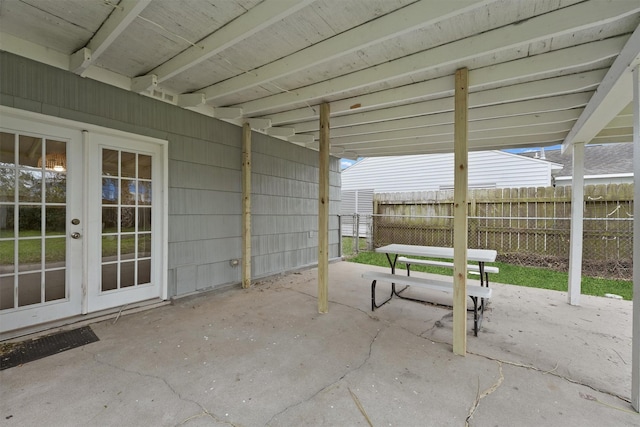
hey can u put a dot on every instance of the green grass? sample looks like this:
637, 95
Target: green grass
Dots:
522, 276
30, 250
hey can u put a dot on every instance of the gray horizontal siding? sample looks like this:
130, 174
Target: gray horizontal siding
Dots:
205, 193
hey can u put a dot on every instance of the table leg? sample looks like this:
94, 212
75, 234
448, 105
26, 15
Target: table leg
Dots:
392, 263
484, 281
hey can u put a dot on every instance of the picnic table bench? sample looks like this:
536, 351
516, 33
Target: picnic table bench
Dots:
478, 294
471, 268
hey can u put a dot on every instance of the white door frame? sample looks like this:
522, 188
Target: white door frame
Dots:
29, 315
96, 299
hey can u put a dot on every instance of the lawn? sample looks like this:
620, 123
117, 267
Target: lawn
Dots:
513, 274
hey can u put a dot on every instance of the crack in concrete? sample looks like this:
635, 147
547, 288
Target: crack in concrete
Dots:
436, 324
484, 394
555, 374
366, 313
204, 412
530, 367
421, 335
328, 386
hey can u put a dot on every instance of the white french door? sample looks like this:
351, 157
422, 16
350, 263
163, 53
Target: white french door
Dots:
125, 221
40, 208
82, 219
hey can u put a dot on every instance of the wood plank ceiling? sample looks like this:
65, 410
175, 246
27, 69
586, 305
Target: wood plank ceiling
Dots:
542, 72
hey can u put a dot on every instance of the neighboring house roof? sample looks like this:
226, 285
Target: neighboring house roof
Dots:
600, 159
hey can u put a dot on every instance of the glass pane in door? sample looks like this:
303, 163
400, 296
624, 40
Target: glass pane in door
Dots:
32, 220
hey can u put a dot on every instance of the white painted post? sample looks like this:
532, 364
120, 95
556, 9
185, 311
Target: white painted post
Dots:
577, 216
635, 341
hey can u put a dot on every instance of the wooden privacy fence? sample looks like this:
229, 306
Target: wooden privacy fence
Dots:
525, 225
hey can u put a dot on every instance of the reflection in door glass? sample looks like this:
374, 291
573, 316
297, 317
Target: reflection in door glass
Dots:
33, 221
126, 219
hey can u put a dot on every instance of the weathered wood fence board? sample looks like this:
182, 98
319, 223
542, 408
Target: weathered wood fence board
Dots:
532, 220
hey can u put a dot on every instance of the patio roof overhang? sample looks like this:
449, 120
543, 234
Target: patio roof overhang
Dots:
541, 72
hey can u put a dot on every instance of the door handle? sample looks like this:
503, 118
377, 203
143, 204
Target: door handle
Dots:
75, 235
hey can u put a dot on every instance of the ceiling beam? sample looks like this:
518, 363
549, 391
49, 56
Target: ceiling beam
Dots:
445, 134
612, 96
122, 15
253, 21
259, 124
543, 27
448, 148
410, 18
281, 132
530, 129
446, 145
548, 88
540, 66
445, 119
376, 119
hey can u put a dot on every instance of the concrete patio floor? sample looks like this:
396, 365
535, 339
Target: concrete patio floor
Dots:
264, 356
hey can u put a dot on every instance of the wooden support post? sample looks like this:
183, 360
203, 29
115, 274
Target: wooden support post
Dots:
323, 211
246, 205
461, 151
635, 340
577, 218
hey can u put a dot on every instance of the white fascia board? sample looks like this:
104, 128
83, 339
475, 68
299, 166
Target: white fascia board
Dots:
122, 15
395, 24
226, 113
253, 21
204, 109
106, 76
301, 139
543, 27
281, 132
613, 95
80, 60
144, 83
36, 52
564, 59
191, 99
259, 124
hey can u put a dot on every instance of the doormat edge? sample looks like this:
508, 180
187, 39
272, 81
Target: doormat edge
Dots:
15, 354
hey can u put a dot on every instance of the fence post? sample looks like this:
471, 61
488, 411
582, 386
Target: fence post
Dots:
340, 236
356, 242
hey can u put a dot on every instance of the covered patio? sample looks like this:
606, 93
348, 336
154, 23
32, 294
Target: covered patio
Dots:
264, 357
229, 101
